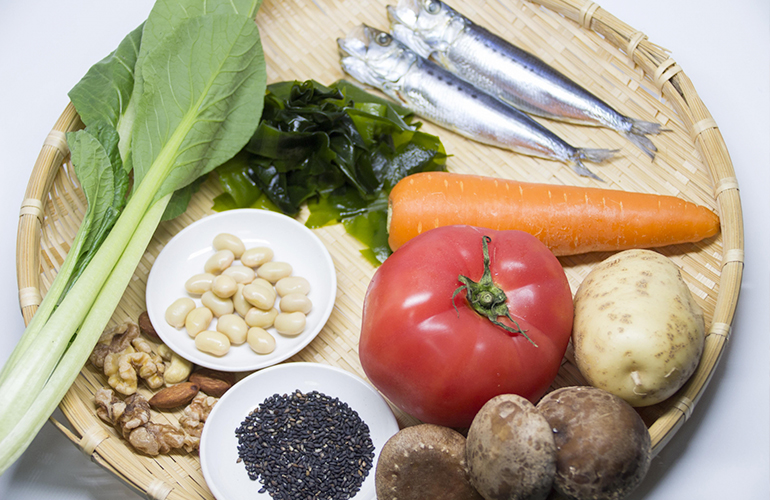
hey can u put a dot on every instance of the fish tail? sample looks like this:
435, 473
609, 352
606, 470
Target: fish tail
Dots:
592, 155
595, 155
638, 135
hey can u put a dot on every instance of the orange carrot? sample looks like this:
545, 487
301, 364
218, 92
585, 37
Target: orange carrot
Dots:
567, 219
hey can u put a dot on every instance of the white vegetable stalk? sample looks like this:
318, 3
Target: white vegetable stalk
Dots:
14, 443
46, 308
23, 384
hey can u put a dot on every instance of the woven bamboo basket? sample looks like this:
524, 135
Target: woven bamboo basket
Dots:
596, 49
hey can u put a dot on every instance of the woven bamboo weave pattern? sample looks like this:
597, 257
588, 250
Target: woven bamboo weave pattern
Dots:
612, 59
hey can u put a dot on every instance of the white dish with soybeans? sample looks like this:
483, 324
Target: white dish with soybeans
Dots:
241, 290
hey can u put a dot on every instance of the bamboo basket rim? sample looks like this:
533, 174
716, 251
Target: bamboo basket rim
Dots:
656, 63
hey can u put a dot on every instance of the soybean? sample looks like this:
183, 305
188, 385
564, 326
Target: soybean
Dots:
274, 271
289, 324
199, 283
259, 294
234, 327
292, 284
260, 340
255, 257
224, 286
218, 305
295, 302
218, 262
212, 342
240, 304
260, 317
198, 320
241, 274
178, 311
227, 241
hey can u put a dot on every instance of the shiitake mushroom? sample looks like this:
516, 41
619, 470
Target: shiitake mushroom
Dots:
603, 445
422, 462
511, 450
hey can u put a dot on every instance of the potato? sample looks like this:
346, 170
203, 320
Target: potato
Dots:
510, 450
603, 447
638, 332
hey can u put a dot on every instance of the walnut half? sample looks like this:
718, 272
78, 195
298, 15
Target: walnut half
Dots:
132, 418
125, 357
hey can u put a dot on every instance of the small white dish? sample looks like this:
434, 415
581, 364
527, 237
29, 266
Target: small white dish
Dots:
186, 254
227, 479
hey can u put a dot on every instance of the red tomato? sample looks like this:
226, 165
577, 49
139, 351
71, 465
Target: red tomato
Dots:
431, 354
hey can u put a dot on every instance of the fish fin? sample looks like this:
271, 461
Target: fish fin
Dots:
638, 135
595, 155
582, 170
592, 155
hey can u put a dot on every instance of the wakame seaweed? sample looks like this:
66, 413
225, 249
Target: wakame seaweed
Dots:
337, 149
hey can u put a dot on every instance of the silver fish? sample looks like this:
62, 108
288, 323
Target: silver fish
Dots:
375, 58
436, 31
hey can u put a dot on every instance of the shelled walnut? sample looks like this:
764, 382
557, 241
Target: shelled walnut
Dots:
193, 418
133, 419
113, 340
124, 357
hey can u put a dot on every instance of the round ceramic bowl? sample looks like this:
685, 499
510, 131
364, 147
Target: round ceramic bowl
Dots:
227, 478
188, 251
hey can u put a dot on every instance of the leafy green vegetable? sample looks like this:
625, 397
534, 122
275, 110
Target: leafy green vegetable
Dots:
182, 123
165, 17
103, 93
338, 149
194, 110
95, 157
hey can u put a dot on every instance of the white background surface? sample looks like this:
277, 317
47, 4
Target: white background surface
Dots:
724, 47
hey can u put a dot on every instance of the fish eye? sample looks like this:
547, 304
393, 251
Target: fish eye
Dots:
433, 7
383, 39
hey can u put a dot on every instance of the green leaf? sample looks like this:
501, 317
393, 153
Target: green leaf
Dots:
164, 18
97, 165
167, 15
181, 198
103, 93
190, 88
109, 138
94, 172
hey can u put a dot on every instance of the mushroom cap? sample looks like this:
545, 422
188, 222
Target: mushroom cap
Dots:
511, 451
424, 461
603, 445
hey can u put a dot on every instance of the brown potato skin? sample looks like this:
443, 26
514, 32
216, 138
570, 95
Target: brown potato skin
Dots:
603, 446
422, 462
511, 451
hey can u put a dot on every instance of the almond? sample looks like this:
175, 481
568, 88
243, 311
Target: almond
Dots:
145, 325
175, 395
214, 383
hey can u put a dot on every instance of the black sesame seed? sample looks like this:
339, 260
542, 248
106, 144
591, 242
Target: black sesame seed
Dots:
302, 446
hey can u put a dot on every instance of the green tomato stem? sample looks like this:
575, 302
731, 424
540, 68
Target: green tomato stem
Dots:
486, 298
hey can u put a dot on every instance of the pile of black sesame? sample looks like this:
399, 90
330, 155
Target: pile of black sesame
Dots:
305, 446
